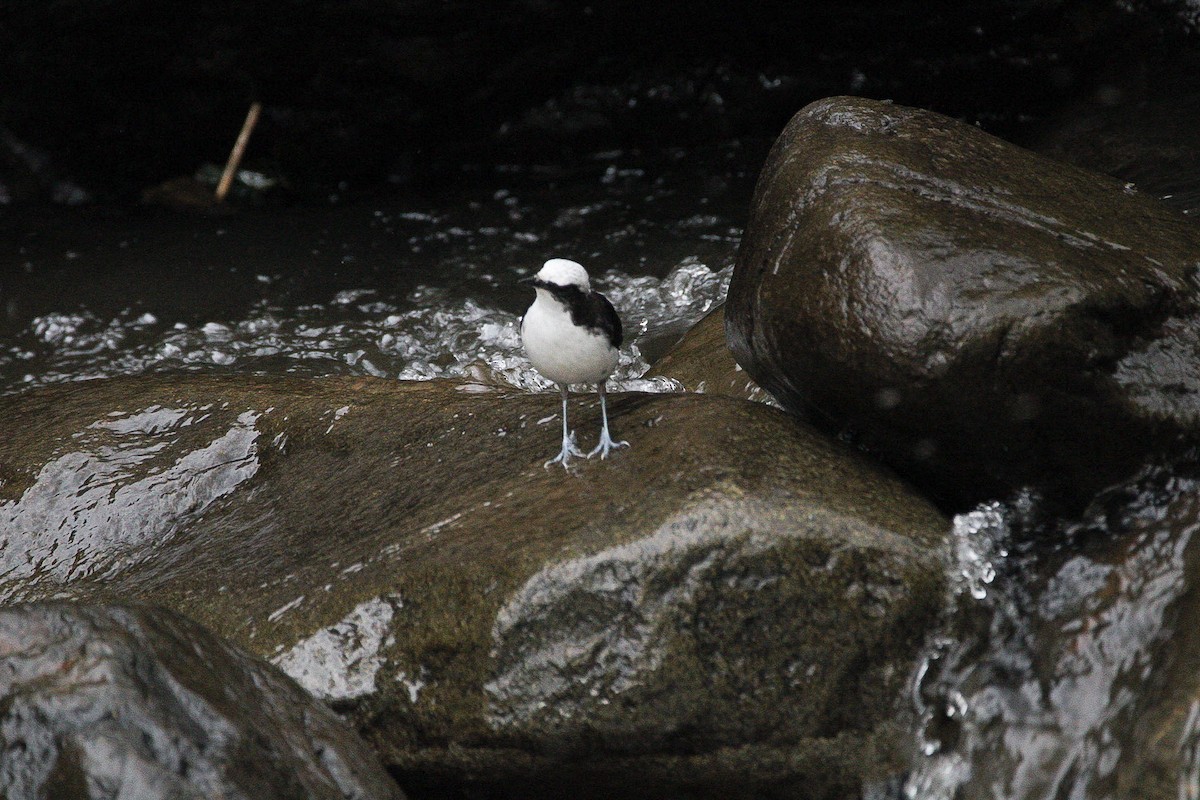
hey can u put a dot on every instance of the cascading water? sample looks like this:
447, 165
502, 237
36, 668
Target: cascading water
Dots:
1057, 675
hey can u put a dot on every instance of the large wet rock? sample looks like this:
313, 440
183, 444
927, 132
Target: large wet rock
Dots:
981, 317
727, 608
701, 362
138, 702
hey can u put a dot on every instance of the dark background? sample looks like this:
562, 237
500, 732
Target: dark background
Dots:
102, 99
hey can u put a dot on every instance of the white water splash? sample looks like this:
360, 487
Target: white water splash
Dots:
1038, 688
978, 538
428, 336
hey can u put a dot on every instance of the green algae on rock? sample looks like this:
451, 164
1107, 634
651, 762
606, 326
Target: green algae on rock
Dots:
732, 605
981, 317
134, 701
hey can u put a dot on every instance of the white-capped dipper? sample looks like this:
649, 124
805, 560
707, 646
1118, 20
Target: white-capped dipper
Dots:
571, 335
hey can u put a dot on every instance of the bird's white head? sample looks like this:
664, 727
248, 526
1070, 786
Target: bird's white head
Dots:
563, 272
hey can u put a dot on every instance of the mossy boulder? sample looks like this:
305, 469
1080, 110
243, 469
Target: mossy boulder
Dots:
981, 317
729, 607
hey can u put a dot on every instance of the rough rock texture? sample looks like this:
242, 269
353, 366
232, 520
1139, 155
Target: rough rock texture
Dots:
728, 608
138, 702
701, 361
981, 317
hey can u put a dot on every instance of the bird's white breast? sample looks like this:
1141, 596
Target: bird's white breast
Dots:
562, 351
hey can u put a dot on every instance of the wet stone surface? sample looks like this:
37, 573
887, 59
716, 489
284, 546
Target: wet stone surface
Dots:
701, 362
130, 701
729, 607
979, 316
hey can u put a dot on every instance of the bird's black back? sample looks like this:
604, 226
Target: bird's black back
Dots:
589, 310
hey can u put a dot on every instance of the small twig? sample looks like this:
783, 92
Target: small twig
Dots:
239, 149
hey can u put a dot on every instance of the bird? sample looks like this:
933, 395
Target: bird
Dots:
572, 335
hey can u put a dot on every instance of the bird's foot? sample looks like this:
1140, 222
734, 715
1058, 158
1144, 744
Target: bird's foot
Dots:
564, 456
606, 445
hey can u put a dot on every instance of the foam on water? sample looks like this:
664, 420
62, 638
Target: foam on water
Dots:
431, 334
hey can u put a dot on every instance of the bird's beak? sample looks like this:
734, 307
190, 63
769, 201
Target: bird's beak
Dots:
530, 280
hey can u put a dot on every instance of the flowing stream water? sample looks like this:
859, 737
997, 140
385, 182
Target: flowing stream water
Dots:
1066, 665
409, 289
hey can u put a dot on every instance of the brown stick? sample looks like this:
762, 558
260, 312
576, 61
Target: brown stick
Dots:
239, 149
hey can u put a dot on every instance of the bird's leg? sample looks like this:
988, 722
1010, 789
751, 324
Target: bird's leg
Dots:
606, 442
568, 443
